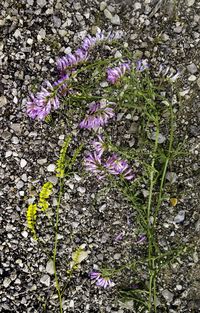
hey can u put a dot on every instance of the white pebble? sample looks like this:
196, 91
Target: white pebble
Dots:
51, 168
23, 163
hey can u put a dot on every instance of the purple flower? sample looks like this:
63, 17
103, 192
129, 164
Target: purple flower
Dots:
62, 84
71, 60
41, 104
99, 146
101, 281
89, 41
141, 65
117, 166
93, 164
113, 74
98, 115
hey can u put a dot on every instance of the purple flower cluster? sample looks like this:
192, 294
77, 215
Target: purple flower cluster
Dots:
98, 115
117, 166
101, 281
71, 60
112, 165
80, 55
40, 105
93, 163
61, 84
114, 74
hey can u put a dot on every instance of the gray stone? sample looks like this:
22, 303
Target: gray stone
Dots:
15, 140
42, 161
171, 177
103, 5
20, 184
3, 101
50, 267
137, 6
192, 78
16, 127
23, 163
168, 295
53, 179
180, 217
30, 2
190, 2
115, 20
198, 82
161, 138
192, 68
57, 21
51, 168
41, 3
6, 282
107, 14
45, 280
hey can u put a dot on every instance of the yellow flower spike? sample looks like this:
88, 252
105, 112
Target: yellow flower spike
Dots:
31, 216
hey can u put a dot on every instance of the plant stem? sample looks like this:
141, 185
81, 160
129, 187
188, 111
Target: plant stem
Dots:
150, 232
56, 243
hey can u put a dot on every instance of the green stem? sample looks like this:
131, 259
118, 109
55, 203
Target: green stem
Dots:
56, 243
152, 279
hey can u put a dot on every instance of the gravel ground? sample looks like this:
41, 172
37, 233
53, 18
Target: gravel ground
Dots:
33, 33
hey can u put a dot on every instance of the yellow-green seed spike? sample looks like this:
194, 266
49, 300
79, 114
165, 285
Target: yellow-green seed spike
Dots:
45, 194
31, 216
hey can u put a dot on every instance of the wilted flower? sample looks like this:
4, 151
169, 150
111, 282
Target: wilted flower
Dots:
119, 237
98, 115
41, 104
101, 281
99, 146
93, 164
141, 239
113, 74
117, 166
141, 65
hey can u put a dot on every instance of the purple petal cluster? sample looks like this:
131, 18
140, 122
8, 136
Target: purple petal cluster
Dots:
112, 165
93, 163
99, 145
101, 281
61, 84
98, 115
117, 166
141, 65
40, 105
114, 74
72, 60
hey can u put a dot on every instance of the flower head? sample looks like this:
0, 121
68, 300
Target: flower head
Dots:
99, 146
41, 104
62, 84
117, 166
71, 60
93, 164
114, 74
101, 281
99, 114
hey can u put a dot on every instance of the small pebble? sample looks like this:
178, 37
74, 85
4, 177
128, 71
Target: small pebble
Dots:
51, 168
45, 280
23, 163
180, 217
